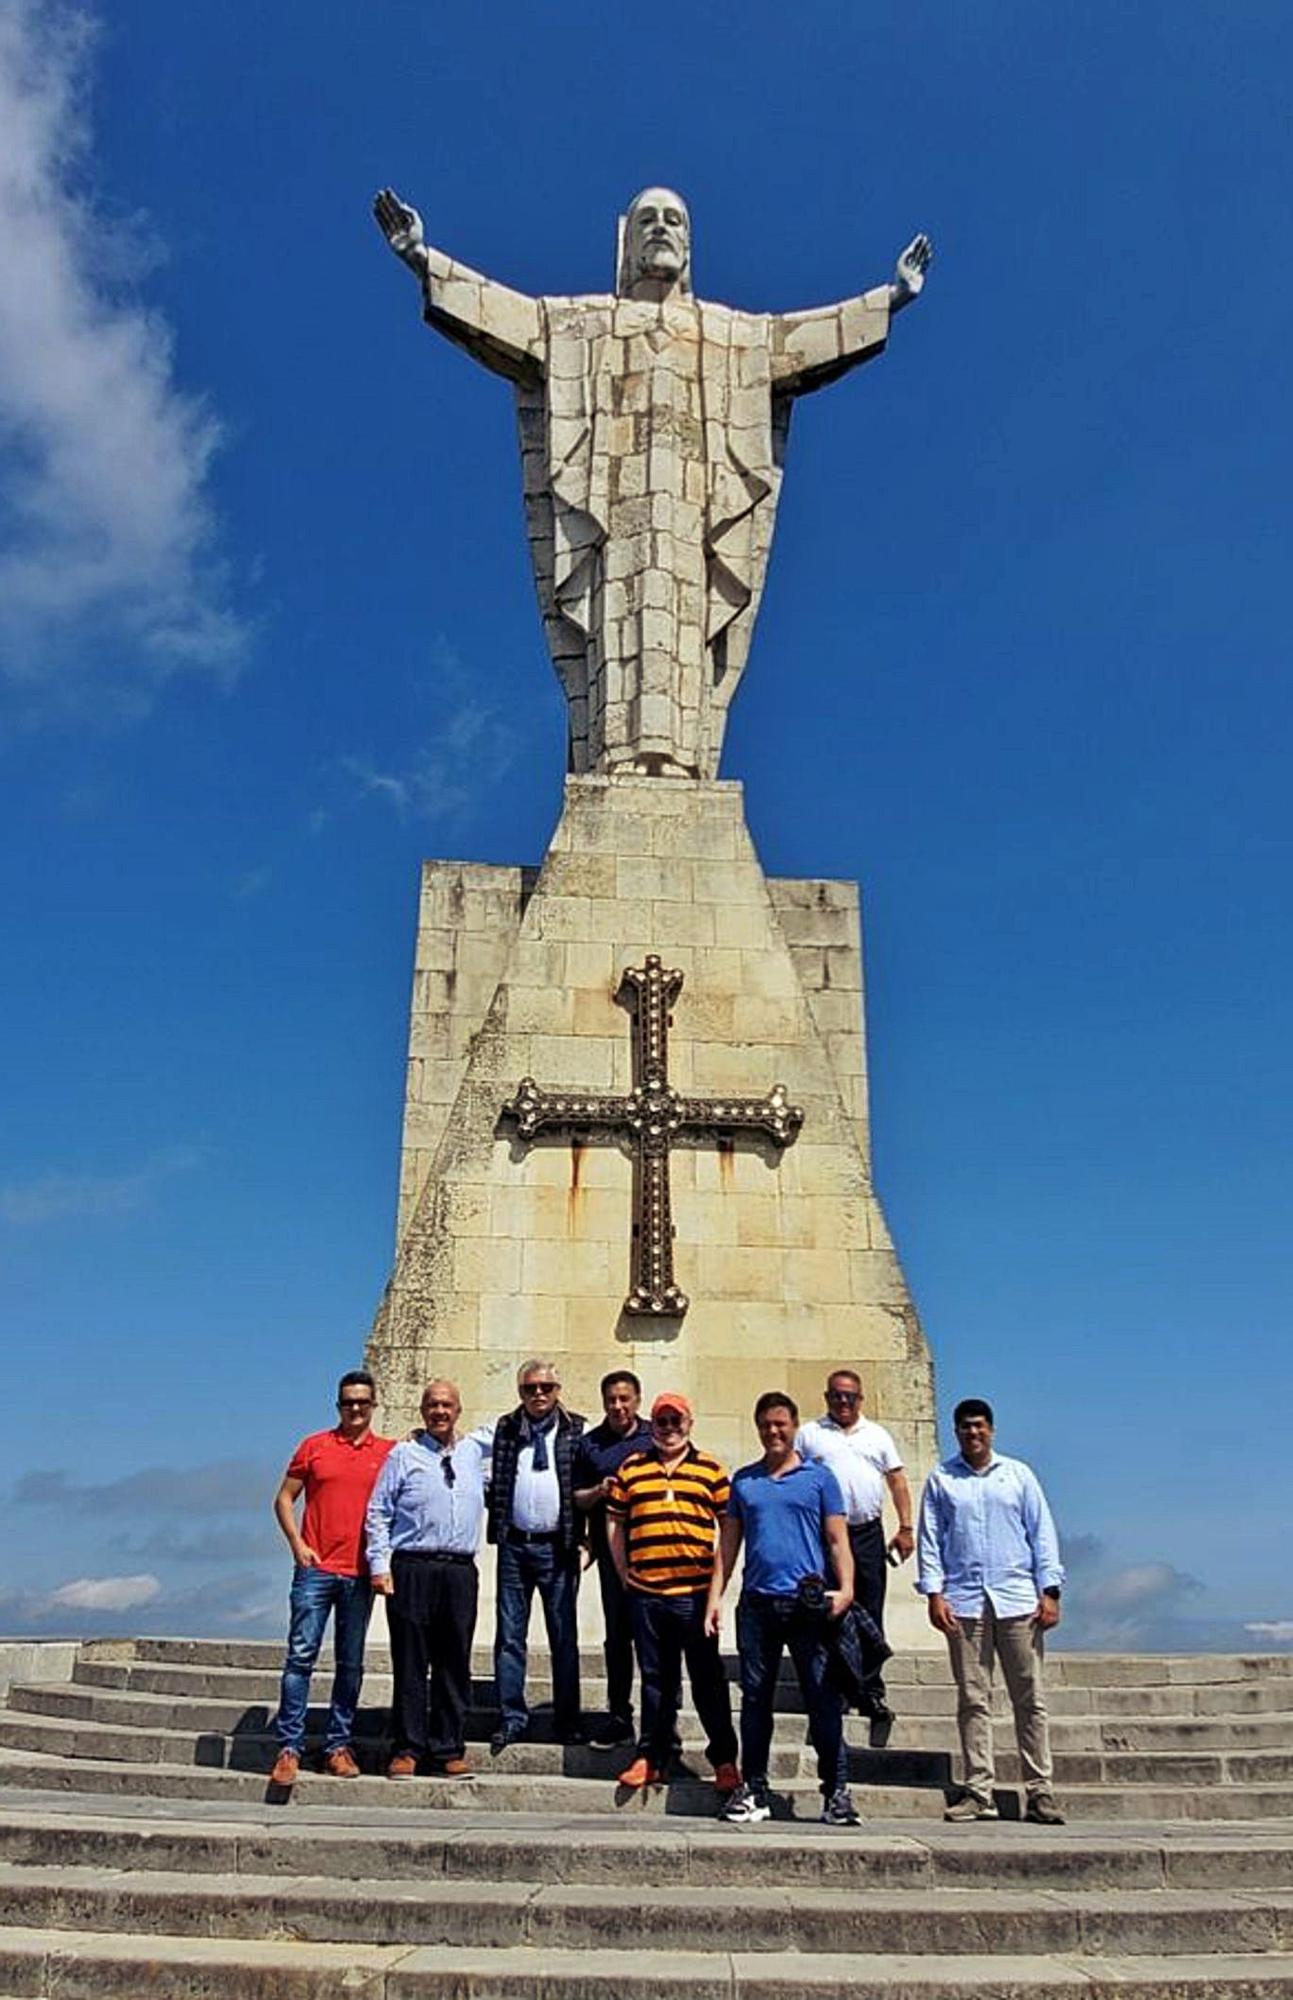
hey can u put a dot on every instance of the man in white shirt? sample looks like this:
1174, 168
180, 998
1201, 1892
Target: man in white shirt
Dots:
989, 1564
538, 1530
865, 1460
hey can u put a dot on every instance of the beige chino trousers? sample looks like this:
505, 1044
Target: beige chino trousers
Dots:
974, 1650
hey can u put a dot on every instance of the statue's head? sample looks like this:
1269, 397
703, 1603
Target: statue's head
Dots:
655, 245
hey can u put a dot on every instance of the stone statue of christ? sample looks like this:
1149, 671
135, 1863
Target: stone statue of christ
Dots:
653, 429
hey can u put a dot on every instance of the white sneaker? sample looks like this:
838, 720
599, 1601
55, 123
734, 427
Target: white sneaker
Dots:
747, 1805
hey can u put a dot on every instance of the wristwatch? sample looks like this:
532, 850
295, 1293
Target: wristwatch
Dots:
1052, 1591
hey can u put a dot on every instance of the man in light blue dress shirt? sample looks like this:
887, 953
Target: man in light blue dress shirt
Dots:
989, 1564
423, 1530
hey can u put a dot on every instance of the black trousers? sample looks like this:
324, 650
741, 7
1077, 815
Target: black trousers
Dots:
870, 1575
667, 1631
431, 1619
617, 1614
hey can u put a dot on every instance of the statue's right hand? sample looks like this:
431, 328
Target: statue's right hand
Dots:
400, 225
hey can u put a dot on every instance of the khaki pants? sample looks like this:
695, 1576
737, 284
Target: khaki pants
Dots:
1017, 1643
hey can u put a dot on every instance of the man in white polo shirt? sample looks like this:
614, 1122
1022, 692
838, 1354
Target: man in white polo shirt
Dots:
865, 1460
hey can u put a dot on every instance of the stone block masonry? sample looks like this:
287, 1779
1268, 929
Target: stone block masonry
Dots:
510, 1246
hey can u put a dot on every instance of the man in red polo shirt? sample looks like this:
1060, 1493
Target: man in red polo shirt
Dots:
336, 1470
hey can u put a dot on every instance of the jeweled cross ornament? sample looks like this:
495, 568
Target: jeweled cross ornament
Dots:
656, 1114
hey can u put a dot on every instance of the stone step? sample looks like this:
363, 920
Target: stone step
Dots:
254, 1750
52, 1965
137, 1709
491, 1790
1227, 1698
1063, 1669
352, 1842
581, 1917
494, 1791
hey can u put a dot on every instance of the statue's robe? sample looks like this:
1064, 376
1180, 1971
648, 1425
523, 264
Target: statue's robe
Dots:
652, 441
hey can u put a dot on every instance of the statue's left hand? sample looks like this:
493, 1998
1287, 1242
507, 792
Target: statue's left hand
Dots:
401, 226
913, 264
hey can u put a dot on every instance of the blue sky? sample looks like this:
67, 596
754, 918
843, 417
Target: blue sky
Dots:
268, 637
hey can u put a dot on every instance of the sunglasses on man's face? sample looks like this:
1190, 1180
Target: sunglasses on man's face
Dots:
670, 1420
354, 1402
539, 1388
843, 1396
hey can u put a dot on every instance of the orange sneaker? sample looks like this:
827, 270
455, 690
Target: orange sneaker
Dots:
284, 1773
640, 1772
451, 1767
727, 1778
340, 1764
402, 1767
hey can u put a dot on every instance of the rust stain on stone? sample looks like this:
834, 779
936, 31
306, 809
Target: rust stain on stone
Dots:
572, 1192
725, 1162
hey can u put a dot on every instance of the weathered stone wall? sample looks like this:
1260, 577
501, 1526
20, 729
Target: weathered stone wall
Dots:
509, 1249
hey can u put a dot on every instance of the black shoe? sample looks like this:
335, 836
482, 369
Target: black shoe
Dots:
574, 1737
511, 1732
611, 1733
881, 1726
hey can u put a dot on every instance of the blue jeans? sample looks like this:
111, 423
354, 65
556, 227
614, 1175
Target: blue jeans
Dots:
523, 1568
316, 1592
765, 1627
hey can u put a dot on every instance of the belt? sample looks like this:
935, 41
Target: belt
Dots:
432, 1556
527, 1536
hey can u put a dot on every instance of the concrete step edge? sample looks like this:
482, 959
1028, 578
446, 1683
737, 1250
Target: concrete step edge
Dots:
649, 1853
1073, 1668
761, 1917
94, 1702
78, 1737
595, 1798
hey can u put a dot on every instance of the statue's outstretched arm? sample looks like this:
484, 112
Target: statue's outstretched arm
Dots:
499, 327
810, 349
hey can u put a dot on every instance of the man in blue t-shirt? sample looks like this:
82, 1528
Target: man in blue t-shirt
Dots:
790, 1514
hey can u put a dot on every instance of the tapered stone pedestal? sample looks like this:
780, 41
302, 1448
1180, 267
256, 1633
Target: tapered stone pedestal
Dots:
512, 1246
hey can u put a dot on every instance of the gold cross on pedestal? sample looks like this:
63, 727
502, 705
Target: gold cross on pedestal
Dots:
656, 1115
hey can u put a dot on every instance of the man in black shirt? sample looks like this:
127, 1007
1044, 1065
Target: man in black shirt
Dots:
599, 1454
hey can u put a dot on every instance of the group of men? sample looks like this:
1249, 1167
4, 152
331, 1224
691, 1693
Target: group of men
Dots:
664, 1523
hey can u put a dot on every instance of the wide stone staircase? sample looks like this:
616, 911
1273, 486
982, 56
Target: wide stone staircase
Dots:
142, 1852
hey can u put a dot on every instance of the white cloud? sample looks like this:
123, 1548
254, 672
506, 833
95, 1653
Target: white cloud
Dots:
106, 535
1278, 1630
105, 1593
470, 745
59, 1197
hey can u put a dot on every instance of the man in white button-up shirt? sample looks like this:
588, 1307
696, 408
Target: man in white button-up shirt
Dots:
865, 1460
989, 1564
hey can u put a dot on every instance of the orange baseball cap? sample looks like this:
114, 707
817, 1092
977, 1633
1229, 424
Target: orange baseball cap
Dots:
670, 1399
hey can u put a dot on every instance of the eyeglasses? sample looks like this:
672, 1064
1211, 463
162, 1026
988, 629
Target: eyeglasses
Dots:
354, 1402
670, 1420
843, 1396
539, 1388
446, 1466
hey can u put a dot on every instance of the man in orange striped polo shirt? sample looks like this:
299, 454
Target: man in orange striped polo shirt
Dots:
663, 1513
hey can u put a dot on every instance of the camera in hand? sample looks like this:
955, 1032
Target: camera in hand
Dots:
811, 1594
